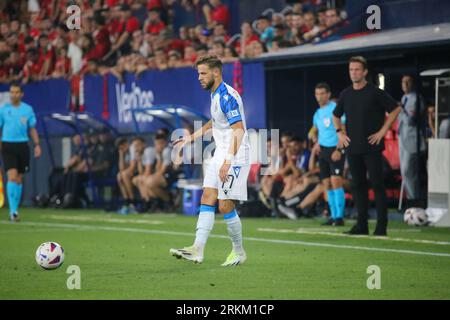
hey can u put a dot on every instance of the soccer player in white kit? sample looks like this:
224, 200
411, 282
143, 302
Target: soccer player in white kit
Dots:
226, 176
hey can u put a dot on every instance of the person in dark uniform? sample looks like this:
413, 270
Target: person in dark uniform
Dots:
17, 120
365, 107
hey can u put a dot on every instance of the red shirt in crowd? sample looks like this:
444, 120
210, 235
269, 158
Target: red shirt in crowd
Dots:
102, 39
151, 4
4, 71
32, 68
63, 65
237, 44
156, 28
47, 54
117, 27
221, 14
176, 44
131, 25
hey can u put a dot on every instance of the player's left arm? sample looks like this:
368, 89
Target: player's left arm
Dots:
37, 148
237, 135
34, 135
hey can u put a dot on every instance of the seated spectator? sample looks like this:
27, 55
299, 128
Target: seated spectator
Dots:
220, 33
4, 72
101, 35
295, 33
322, 18
62, 65
247, 37
280, 39
216, 12
310, 29
190, 55
138, 45
46, 55
229, 55
332, 20
174, 59
257, 49
218, 48
161, 60
124, 28
266, 31
154, 24
32, 70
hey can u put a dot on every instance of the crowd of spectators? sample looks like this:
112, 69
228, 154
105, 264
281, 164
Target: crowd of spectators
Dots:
118, 36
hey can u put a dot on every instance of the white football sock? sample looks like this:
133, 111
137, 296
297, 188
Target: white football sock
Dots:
234, 227
205, 224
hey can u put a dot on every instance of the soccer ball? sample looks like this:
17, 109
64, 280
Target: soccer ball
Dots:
415, 217
50, 255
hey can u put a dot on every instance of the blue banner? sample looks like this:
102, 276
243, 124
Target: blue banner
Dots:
176, 86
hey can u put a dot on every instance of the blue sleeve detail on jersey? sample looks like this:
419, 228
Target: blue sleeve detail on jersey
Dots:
230, 108
32, 120
315, 122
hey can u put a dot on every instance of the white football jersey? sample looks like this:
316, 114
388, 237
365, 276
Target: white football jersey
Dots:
227, 109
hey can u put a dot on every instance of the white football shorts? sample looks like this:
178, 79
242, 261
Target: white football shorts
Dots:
236, 186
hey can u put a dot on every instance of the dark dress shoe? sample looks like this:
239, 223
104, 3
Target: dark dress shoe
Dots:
380, 232
357, 230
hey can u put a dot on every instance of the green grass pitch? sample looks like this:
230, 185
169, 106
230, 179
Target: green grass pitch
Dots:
127, 257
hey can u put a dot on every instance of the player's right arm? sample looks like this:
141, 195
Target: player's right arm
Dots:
197, 134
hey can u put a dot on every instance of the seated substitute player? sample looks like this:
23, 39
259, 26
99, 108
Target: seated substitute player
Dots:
127, 170
226, 176
331, 158
145, 170
17, 119
157, 184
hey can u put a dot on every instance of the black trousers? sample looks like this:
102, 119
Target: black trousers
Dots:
360, 165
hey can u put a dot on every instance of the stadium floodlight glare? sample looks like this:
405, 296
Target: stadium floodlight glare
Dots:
381, 81
61, 117
159, 113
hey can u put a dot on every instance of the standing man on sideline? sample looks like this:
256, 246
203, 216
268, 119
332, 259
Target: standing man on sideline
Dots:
331, 158
17, 120
226, 176
408, 121
365, 107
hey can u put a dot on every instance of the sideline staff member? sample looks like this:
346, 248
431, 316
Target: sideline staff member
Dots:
365, 106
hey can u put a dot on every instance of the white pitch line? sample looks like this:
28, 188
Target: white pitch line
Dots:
190, 234
102, 219
307, 231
